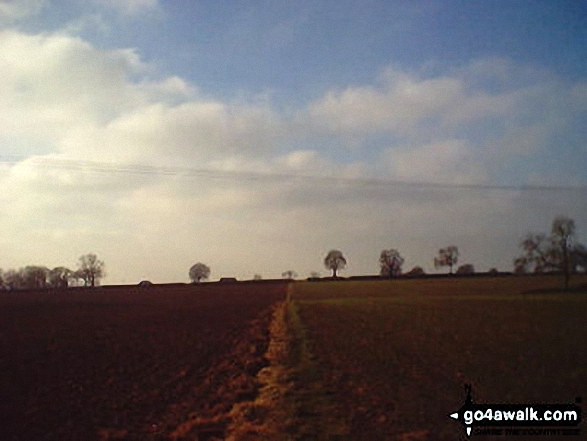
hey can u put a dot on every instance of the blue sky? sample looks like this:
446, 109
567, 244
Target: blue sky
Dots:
234, 47
486, 93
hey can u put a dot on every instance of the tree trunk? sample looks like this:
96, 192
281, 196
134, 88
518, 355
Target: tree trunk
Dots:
566, 268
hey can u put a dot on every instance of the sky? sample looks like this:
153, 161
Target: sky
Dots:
255, 136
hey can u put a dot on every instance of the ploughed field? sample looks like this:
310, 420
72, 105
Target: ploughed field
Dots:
394, 355
130, 363
350, 360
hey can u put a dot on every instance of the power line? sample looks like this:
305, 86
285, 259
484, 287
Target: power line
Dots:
143, 169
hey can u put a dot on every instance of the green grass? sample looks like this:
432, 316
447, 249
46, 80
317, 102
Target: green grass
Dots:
292, 404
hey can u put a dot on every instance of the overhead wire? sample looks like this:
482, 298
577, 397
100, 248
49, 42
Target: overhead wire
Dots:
238, 175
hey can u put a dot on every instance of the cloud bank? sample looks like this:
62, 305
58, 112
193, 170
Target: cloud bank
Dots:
63, 98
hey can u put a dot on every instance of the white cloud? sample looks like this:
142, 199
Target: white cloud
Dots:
398, 105
130, 7
61, 97
410, 105
53, 83
194, 131
450, 162
90, 22
84, 102
13, 10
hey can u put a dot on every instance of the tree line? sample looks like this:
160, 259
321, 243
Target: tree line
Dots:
89, 273
558, 252
391, 262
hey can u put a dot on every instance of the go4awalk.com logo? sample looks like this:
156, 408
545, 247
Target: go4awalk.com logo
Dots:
518, 419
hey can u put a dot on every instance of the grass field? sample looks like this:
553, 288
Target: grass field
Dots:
394, 355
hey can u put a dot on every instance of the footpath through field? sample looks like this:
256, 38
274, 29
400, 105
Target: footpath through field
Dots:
370, 360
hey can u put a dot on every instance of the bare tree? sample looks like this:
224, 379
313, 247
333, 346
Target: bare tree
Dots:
563, 233
579, 257
334, 261
35, 276
199, 272
76, 278
557, 252
391, 263
91, 269
14, 279
289, 274
448, 256
59, 277
537, 254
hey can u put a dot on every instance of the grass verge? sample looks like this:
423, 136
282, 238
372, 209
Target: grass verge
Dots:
292, 403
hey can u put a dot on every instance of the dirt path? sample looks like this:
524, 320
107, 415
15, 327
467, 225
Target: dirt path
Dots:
292, 403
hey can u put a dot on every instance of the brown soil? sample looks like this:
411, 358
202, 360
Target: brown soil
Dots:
396, 366
128, 363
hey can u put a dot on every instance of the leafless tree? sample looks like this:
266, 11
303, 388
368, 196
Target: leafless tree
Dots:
391, 263
334, 261
91, 269
579, 257
537, 254
448, 256
289, 274
199, 272
14, 279
76, 278
59, 277
35, 276
557, 252
563, 234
